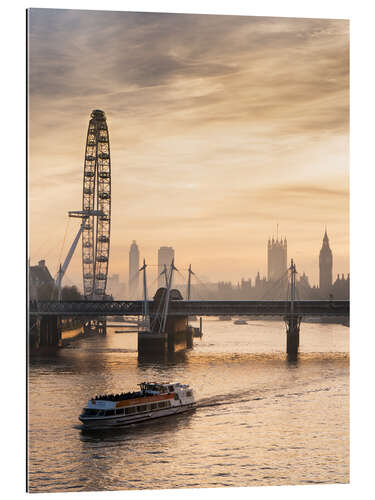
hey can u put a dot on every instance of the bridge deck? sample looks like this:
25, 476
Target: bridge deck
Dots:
320, 308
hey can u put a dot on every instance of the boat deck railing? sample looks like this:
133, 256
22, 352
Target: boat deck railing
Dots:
123, 396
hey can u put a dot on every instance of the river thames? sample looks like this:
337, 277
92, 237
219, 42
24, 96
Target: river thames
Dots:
259, 421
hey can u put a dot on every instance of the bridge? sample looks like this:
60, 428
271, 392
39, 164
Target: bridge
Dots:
302, 308
167, 312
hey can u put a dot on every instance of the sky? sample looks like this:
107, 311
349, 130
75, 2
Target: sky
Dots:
221, 128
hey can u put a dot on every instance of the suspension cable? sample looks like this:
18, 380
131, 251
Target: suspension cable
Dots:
157, 312
205, 287
275, 284
42, 245
63, 243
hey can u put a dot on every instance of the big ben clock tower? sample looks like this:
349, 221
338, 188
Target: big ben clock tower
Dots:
325, 266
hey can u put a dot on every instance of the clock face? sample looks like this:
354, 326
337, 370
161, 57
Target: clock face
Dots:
325, 259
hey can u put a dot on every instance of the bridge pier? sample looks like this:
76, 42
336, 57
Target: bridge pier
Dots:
177, 333
292, 323
152, 344
168, 334
189, 337
49, 331
178, 336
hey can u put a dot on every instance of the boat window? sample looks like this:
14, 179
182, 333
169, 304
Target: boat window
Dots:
110, 412
142, 408
188, 393
90, 413
176, 396
153, 406
120, 411
101, 413
130, 410
161, 404
171, 388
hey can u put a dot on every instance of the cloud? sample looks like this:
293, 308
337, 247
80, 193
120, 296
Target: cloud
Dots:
217, 123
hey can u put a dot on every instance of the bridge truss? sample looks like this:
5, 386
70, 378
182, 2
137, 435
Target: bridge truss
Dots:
317, 308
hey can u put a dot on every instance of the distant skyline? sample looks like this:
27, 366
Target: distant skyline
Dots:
221, 127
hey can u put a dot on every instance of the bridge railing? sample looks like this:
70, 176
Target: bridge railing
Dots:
325, 308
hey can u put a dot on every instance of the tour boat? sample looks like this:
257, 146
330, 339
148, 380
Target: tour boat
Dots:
153, 400
240, 322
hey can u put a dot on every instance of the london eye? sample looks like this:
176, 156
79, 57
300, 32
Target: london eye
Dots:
96, 192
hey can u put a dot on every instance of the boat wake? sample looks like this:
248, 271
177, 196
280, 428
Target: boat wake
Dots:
230, 398
248, 396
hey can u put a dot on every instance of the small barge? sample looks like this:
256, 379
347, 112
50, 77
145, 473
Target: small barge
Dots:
153, 400
240, 322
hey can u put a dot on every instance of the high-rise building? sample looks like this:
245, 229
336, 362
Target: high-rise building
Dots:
325, 266
165, 257
115, 287
277, 260
133, 271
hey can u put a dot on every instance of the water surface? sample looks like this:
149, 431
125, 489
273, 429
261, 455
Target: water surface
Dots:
260, 420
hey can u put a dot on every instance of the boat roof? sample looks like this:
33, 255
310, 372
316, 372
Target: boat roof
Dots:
100, 404
108, 403
163, 384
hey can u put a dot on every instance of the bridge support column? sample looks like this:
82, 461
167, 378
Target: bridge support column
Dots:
189, 337
102, 327
50, 331
292, 323
152, 345
34, 332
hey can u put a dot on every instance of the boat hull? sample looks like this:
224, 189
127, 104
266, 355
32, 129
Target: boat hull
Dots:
123, 421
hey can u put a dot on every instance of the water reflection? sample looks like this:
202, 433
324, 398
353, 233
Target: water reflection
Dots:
166, 359
149, 429
292, 361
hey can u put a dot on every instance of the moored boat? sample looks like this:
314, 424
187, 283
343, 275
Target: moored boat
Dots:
153, 400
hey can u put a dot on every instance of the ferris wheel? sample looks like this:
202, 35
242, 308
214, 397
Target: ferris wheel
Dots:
96, 190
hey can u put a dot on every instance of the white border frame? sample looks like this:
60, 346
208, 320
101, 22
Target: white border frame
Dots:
361, 15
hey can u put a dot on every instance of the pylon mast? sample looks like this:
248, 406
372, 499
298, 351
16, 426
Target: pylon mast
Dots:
166, 303
145, 302
188, 295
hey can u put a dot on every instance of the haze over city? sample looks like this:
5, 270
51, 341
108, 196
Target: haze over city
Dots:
221, 127
178, 140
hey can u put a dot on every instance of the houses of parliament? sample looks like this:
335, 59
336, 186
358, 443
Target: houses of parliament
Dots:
275, 284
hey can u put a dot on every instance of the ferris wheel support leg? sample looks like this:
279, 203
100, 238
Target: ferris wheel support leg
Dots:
68, 258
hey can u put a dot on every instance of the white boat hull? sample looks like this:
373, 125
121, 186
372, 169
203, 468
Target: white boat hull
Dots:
96, 423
